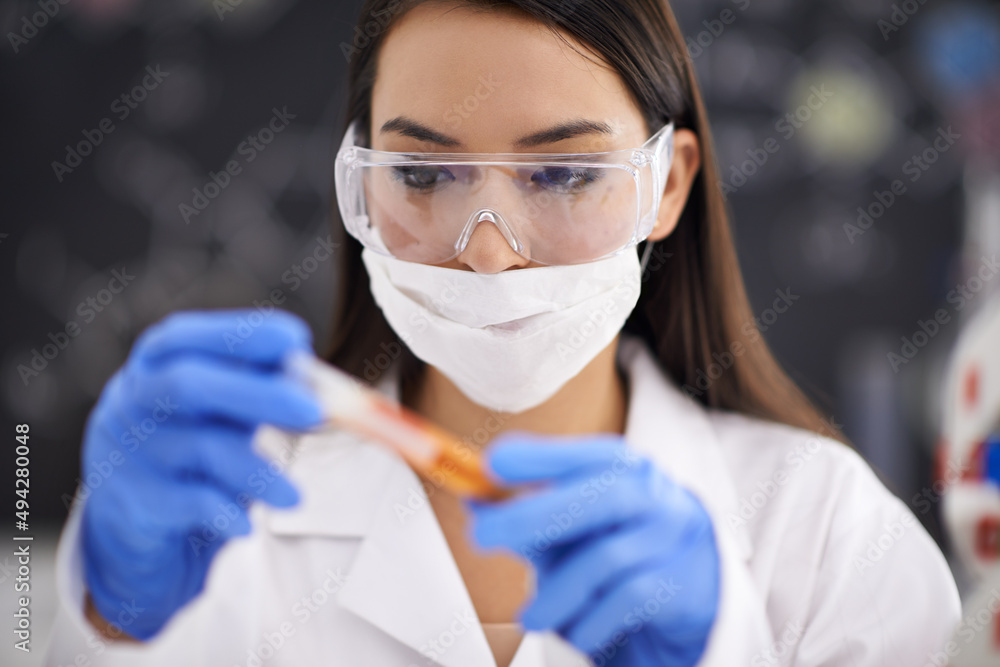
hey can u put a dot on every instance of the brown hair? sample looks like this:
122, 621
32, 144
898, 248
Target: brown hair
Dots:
693, 310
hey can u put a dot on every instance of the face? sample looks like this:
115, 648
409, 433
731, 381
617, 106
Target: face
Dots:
454, 79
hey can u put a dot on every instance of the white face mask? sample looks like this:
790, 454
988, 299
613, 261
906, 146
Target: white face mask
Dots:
509, 340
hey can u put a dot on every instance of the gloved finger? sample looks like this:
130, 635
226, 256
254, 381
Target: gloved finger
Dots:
218, 452
576, 581
648, 596
244, 334
517, 457
149, 507
543, 554
572, 509
207, 388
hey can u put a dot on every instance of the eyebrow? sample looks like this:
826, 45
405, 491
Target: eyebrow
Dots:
411, 128
569, 130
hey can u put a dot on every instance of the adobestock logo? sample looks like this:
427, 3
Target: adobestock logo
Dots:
592, 490
390, 352
130, 439
246, 326
960, 296
597, 318
900, 16
31, 25
713, 29
372, 29
915, 167
122, 107
87, 310
787, 126
468, 106
780, 650
248, 149
877, 548
751, 330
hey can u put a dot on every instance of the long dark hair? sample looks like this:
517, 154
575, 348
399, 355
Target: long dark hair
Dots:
693, 310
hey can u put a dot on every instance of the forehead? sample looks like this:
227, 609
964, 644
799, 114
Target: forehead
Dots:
474, 72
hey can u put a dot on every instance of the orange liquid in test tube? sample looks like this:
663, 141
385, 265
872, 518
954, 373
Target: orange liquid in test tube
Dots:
433, 452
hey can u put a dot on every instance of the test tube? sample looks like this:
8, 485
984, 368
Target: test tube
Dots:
431, 450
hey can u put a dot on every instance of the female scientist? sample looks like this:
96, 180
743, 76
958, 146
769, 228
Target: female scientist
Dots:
538, 259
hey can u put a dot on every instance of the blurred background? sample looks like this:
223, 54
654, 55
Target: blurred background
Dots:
859, 142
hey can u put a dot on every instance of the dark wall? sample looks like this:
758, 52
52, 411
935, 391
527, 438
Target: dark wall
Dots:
66, 232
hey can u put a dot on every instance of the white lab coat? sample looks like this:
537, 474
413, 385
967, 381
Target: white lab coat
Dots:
820, 564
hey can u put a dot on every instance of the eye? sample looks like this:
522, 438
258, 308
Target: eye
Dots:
565, 180
423, 178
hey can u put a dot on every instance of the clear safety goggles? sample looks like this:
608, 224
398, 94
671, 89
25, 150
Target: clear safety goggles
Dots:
552, 208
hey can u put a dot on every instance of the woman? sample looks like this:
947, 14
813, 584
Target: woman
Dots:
680, 502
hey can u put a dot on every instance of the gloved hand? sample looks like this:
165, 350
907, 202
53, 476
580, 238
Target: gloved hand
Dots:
625, 559
170, 439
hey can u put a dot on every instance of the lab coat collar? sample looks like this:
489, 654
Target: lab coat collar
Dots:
404, 569
676, 432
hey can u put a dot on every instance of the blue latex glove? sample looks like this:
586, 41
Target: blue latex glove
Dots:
626, 563
991, 452
167, 452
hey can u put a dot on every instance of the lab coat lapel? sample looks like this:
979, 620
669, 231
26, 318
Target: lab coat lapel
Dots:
340, 478
405, 581
675, 432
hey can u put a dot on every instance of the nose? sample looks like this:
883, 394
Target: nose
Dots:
487, 250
